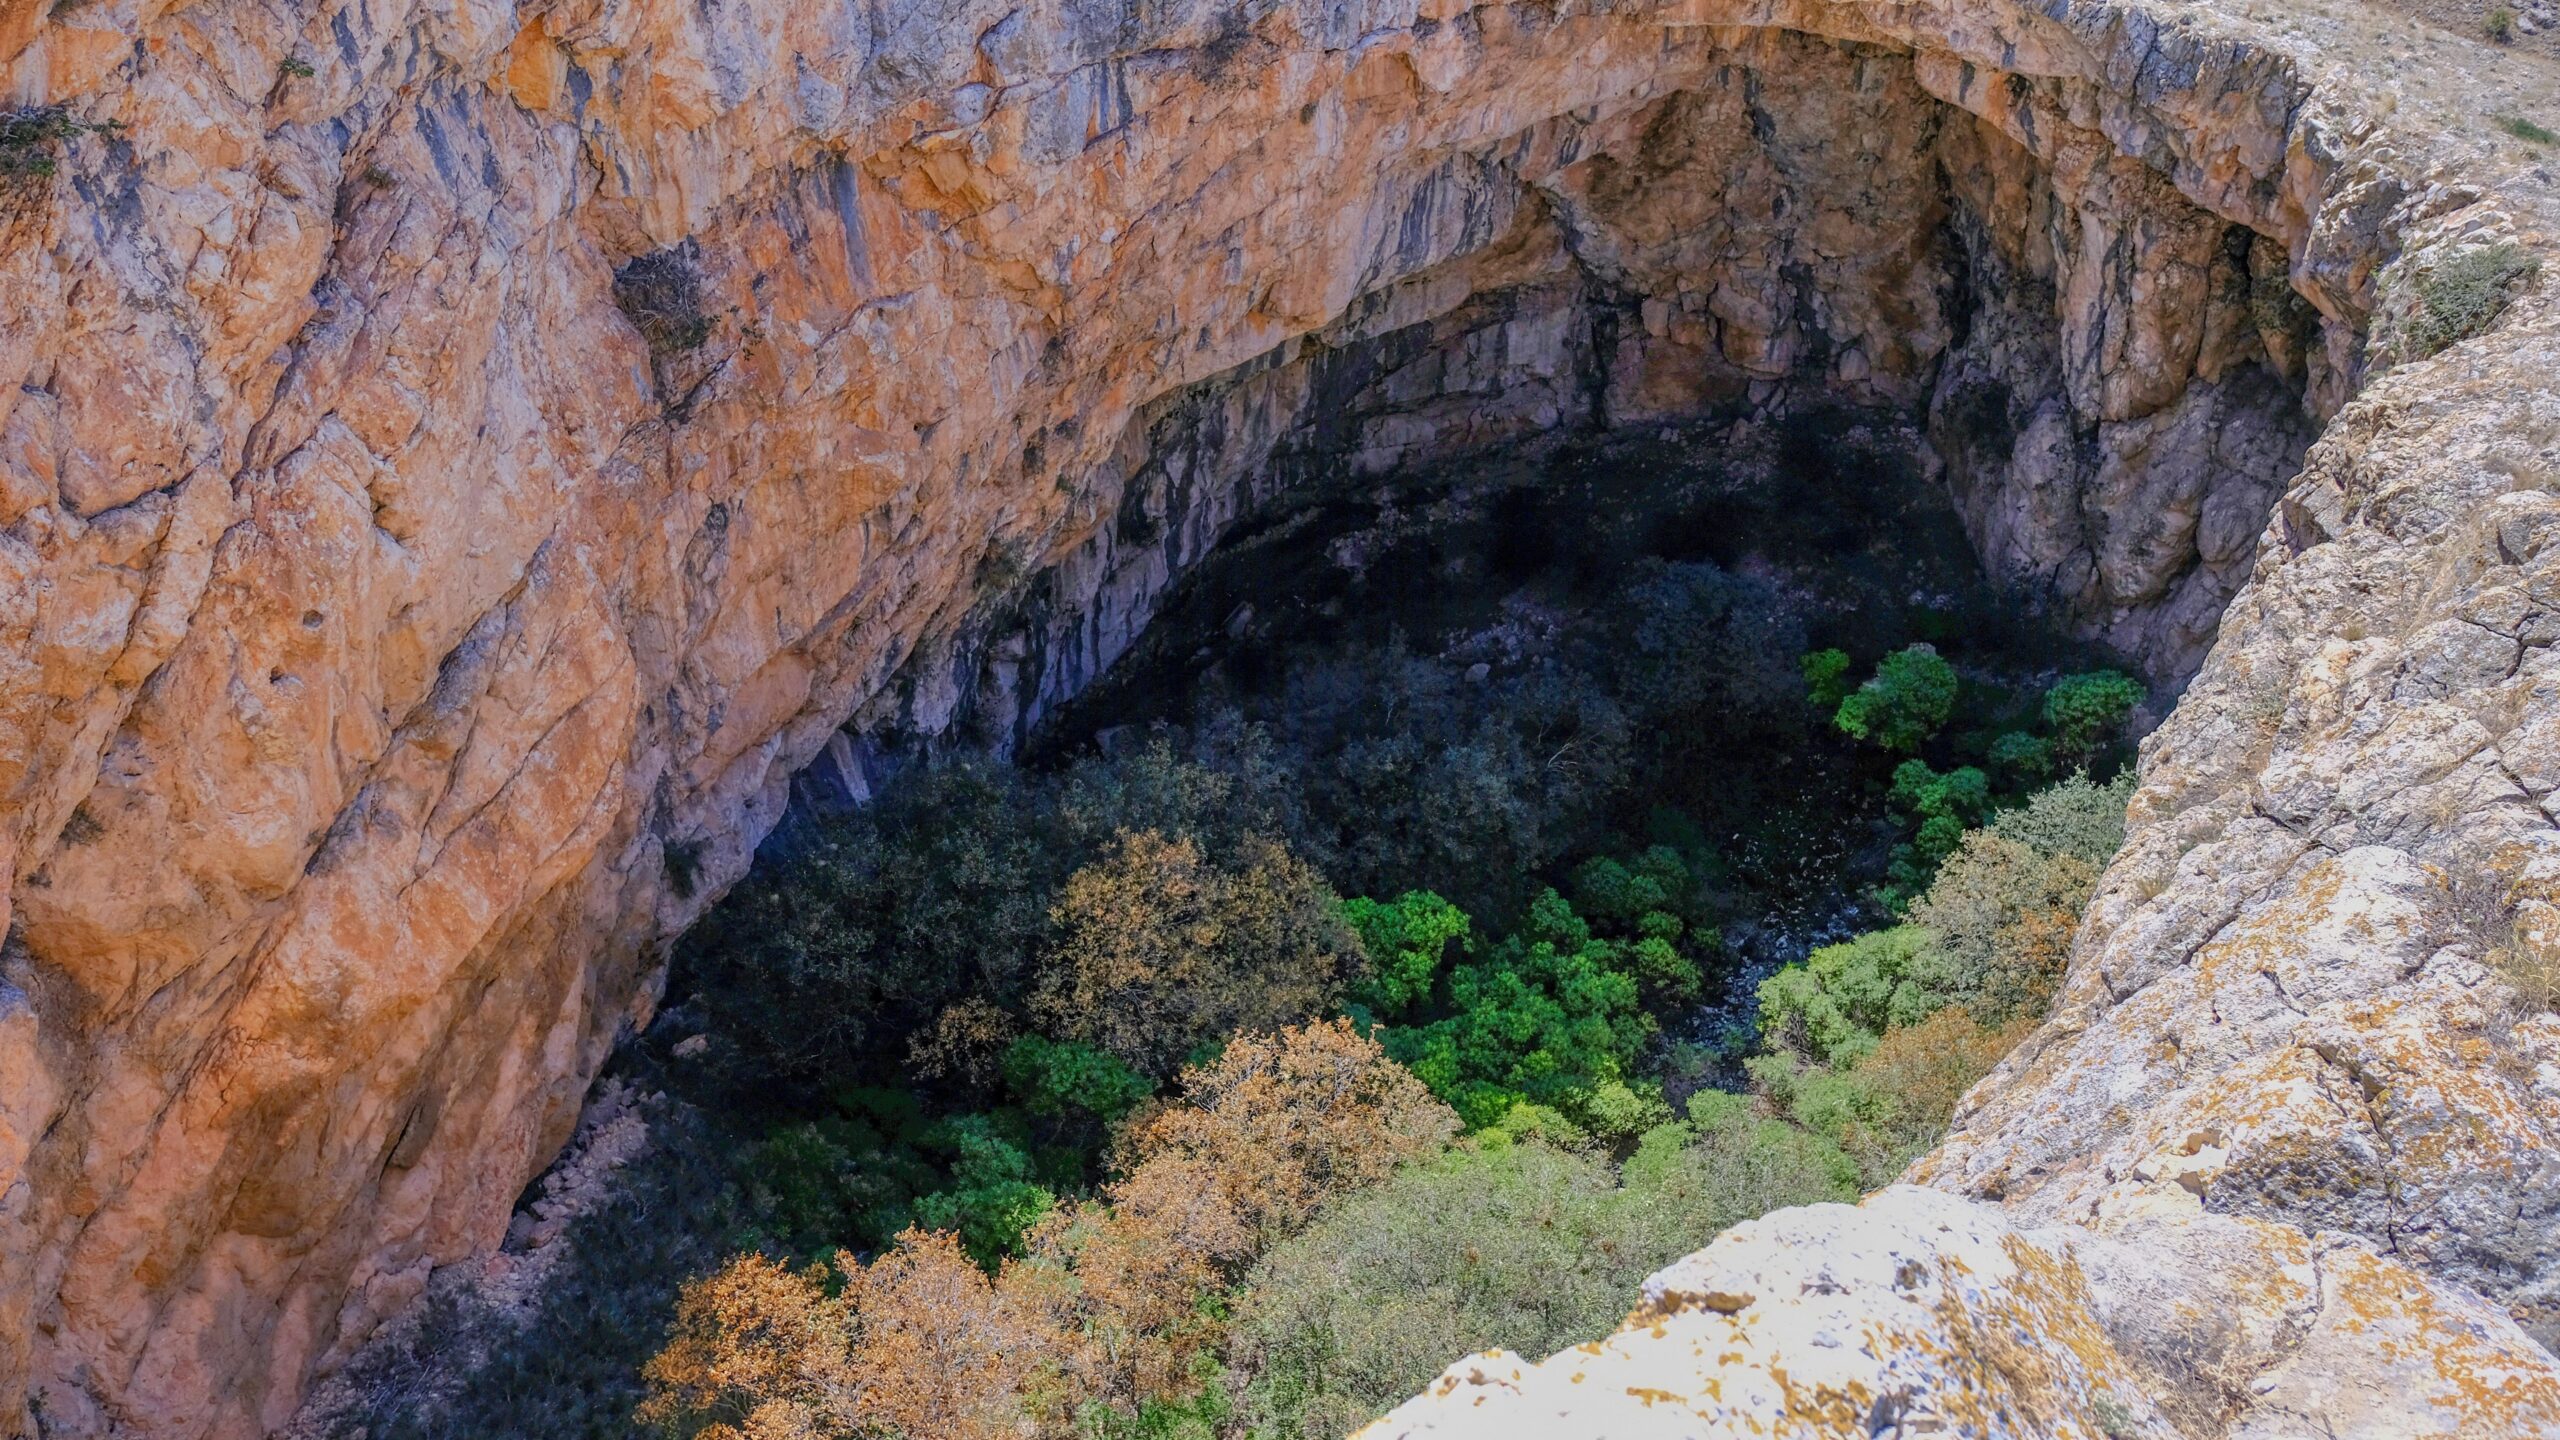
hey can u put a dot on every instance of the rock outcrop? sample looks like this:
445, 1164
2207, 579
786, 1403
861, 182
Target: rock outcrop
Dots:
1921, 1313
459, 463
2280, 1162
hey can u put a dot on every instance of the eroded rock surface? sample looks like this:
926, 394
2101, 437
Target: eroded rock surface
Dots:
1938, 1315
447, 494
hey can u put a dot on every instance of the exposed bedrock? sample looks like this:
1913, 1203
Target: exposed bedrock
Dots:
447, 495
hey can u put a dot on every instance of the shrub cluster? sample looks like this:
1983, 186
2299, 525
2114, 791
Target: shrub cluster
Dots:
1289, 1243
1108, 1320
2462, 296
1910, 699
1872, 1041
1526, 1246
1100, 1112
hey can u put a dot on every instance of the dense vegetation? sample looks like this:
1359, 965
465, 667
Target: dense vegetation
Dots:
1381, 1001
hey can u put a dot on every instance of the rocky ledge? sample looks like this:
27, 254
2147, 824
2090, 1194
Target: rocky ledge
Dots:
459, 463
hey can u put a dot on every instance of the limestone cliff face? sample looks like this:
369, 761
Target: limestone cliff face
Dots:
398, 643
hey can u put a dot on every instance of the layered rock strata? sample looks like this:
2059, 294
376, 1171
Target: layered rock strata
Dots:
462, 462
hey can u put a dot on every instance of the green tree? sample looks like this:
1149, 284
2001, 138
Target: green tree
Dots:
1941, 807
874, 925
2085, 711
2021, 758
1826, 678
1640, 906
1836, 1004
1545, 1017
1907, 700
991, 1200
1409, 940
1058, 1079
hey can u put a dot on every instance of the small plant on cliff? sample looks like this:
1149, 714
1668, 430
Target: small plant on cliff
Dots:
2532, 968
28, 136
2276, 308
684, 864
2461, 297
662, 293
2499, 24
2524, 129
294, 68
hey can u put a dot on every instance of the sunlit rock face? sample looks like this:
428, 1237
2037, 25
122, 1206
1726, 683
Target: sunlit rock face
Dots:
447, 494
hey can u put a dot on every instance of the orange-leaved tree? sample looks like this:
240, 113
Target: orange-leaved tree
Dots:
1162, 951
918, 1342
1110, 1308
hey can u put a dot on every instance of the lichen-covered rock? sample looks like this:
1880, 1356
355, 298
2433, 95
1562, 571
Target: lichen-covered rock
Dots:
1922, 1313
458, 464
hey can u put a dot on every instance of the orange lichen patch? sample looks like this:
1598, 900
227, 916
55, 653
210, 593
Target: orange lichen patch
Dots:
2484, 1382
2272, 939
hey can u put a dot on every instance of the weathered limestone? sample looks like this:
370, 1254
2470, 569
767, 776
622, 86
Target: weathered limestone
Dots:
1944, 1316
395, 651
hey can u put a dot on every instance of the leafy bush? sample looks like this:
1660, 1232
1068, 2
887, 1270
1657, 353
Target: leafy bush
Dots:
1161, 953
1922, 1070
2462, 296
1054, 1079
29, 133
2526, 130
1282, 1123
1409, 940
1221, 801
1999, 918
1525, 1247
1961, 795
2020, 758
919, 1342
1546, 1016
2074, 816
1826, 678
1645, 905
1909, 698
1835, 1006
1891, 1104
1260, 1141
1414, 778
992, 1199
2085, 711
